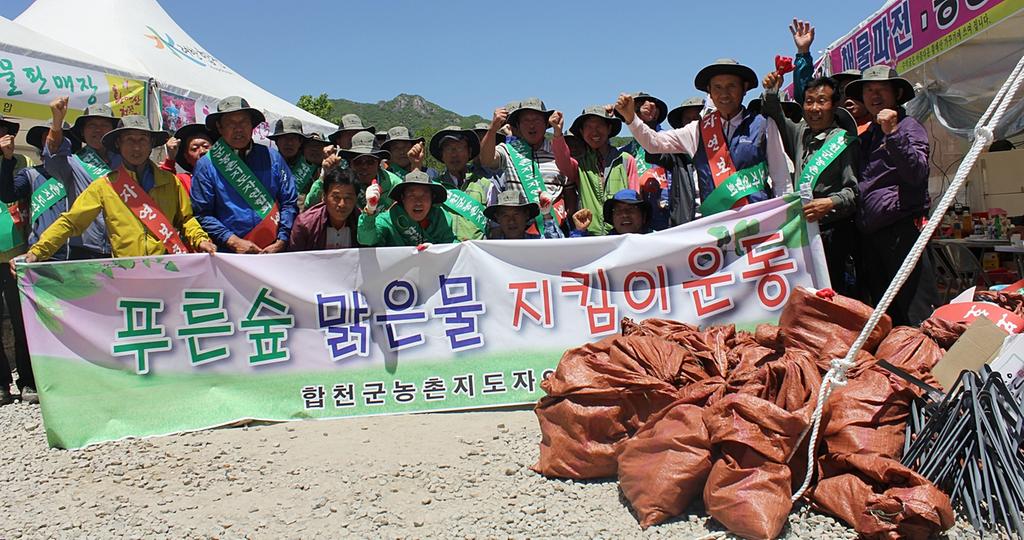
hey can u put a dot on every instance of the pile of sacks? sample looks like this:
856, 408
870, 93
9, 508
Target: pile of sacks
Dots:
675, 411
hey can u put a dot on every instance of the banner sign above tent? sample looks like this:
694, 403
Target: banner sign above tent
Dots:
909, 32
28, 85
157, 345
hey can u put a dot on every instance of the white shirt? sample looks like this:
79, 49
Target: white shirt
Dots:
338, 238
686, 139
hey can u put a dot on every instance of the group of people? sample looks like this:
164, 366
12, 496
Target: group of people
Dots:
846, 143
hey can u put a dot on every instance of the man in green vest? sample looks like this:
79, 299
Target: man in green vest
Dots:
77, 170
12, 243
416, 220
467, 190
825, 152
399, 144
603, 171
288, 137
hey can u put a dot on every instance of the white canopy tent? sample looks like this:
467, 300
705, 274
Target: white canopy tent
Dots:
183, 75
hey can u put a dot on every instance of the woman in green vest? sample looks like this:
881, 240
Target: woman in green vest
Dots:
417, 220
602, 171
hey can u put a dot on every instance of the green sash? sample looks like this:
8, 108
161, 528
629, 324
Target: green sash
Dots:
241, 178
303, 173
459, 202
93, 164
820, 160
45, 196
741, 184
641, 159
532, 183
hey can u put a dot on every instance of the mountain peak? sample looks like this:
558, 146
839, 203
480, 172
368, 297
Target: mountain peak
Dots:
410, 110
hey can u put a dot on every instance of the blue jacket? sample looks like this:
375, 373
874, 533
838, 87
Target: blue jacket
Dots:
747, 146
64, 167
223, 212
20, 186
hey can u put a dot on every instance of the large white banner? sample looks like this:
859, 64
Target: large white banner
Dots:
157, 345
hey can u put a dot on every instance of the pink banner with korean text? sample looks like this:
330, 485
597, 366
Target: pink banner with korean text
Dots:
907, 33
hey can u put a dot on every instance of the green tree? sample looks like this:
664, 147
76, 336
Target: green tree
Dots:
320, 106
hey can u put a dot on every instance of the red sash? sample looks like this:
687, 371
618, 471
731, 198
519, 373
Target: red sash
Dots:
265, 233
717, 149
145, 208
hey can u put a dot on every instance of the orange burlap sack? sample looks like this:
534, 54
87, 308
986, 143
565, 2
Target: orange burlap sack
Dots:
599, 395
664, 465
944, 332
809, 321
880, 498
912, 351
748, 489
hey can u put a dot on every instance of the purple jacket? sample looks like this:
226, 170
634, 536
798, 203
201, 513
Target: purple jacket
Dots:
310, 230
893, 174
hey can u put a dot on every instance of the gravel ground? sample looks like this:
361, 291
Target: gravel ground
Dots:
456, 475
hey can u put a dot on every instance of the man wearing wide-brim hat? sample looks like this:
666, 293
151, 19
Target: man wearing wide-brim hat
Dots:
687, 111
416, 218
514, 214
744, 148
46, 196
467, 191
825, 152
657, 171
603, 170
527, 161
12, 239
350, 125
289, 139
365, 160
399, 144
894, 197
189, 143
147, 209
243, 192
77, 170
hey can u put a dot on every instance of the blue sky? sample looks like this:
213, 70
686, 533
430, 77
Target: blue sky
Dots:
472, 56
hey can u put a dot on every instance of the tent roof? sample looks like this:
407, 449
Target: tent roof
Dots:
147, 40
18, 39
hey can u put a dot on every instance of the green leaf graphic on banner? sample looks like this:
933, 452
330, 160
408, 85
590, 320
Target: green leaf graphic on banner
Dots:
170, 266
745, 228
125, 263
64, 282
795, 228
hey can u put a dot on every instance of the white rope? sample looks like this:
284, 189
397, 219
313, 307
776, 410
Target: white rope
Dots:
836, 375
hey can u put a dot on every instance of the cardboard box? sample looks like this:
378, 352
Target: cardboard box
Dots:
979, 345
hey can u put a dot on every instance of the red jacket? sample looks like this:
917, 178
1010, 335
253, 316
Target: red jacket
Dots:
310, 230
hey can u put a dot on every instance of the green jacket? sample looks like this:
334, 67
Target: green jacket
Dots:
395, 228
476, 187
597, 186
